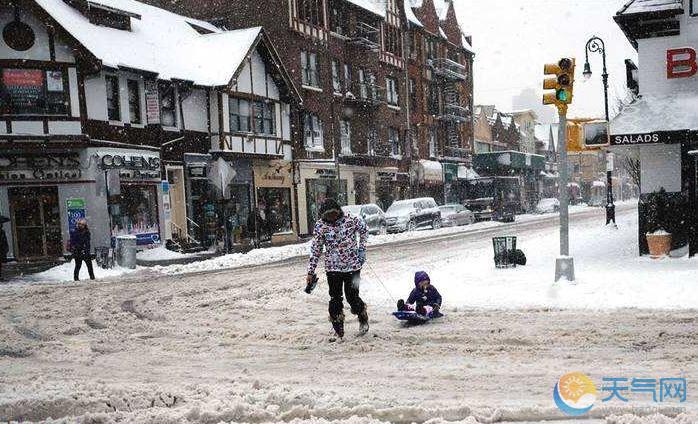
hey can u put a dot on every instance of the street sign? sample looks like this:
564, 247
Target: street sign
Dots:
596, 134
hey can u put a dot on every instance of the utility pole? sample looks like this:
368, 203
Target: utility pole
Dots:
563, 84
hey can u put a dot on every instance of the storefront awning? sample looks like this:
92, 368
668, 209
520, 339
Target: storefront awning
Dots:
427, 171
507, 160
465, 173
655, 120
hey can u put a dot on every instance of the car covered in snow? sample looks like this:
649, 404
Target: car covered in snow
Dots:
372, 214
548, 205
410, 214
453, 215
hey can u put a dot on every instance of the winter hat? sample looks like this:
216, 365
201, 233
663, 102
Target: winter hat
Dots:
420, 276
330, 205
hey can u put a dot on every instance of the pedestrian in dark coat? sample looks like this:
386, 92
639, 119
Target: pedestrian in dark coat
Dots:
425, 298
81, 249
4, 247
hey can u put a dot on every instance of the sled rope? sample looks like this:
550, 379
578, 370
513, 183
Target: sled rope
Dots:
381, 282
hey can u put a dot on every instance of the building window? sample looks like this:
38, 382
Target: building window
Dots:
392, 40
394, 140
345, 136
347, 76
430, 47
363, 86
313, 132
134, 102
433, 99
337, 20
413, 95
168, 107
336, 80
113, 104
432, 142
371, 141
264, 119
26, 91
137, 211
239, 115
311, 76
391, 90
311, 11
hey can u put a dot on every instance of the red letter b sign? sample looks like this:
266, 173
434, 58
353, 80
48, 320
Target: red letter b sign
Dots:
681, 63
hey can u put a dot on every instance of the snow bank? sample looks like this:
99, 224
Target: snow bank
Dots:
64, 272
161, 253
609, 273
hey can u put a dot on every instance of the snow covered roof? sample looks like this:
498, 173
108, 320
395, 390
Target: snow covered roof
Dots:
466, 45
160, 42
441, 7
377, 7
658, 113
411, 17
646, 6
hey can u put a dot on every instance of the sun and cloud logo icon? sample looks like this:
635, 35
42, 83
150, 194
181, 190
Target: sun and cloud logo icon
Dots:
575, 393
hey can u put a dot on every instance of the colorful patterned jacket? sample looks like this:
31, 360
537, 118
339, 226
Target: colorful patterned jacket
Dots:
344, 243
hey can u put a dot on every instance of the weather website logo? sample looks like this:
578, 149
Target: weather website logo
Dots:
575, 393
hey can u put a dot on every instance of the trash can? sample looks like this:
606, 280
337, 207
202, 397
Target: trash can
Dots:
504, 248
126, 251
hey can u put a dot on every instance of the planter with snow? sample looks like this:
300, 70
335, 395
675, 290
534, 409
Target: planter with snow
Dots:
659, 243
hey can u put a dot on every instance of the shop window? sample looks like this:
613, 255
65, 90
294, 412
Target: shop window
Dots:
345, 136
319, 190
392, 91
135, 211
134, 102
113, 104
694, 7
311, 11
239, 115
394, 140
274, 208
309, 68
168, 106
313, 132
25, 91
336, 81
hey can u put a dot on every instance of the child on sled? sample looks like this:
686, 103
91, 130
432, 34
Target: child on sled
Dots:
424, 298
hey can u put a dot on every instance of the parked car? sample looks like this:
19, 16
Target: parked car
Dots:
548, 205
494, 198
372, 214
409, 214
454, 215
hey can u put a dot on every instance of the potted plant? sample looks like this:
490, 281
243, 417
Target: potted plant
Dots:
658, 224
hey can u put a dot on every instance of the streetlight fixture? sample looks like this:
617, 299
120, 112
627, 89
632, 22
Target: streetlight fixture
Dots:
596, 45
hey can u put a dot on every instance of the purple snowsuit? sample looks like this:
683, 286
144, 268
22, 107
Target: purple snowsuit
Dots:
428, 297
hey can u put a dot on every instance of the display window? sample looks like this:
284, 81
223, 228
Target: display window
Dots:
135, 212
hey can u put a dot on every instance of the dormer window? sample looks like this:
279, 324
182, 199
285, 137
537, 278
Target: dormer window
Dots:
111, 17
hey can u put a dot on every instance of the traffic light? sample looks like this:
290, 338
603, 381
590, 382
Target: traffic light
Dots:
562, 82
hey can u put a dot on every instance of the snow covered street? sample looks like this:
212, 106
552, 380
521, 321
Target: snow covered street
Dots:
248, 345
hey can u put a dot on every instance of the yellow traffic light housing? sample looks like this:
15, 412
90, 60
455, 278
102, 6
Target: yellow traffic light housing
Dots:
562, 82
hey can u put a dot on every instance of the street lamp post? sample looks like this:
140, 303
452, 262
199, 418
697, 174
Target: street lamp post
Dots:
596, 45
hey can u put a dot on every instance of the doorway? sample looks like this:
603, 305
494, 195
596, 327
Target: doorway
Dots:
36, 217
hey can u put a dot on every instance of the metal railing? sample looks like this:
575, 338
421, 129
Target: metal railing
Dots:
455, 113
448, 68
366, 36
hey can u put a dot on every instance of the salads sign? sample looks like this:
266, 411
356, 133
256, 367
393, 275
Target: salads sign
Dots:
657, 137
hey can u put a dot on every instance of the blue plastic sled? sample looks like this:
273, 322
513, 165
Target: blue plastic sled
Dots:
415, 318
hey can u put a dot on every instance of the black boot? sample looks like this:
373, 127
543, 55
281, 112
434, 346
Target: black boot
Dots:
400, 305
338, 325
363, 321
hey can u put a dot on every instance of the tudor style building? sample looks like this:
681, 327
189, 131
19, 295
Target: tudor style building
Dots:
103, 119
382, 91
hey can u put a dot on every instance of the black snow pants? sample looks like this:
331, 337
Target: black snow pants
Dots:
349, 281
78, 264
